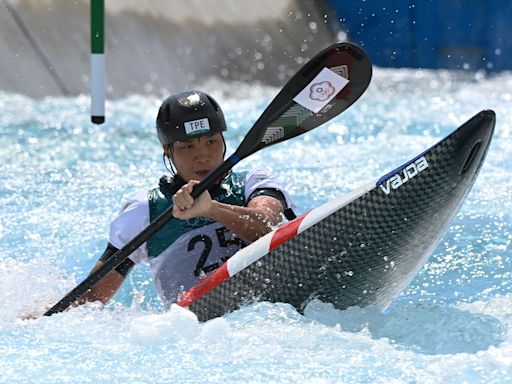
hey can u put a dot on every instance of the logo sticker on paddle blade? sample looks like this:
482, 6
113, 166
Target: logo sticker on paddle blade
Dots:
321, 90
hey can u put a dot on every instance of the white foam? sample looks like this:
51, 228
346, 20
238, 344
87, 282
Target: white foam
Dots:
178, 324
27, 289
55, 214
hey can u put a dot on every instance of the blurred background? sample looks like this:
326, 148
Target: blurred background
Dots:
161, 46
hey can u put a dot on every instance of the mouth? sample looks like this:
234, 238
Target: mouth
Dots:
202, 173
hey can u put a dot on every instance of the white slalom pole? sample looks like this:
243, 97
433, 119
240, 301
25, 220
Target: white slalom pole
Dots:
97, 62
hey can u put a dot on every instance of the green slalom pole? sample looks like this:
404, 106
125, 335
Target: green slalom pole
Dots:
97, 61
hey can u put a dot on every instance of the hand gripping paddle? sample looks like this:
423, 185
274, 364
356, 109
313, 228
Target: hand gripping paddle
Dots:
323, 88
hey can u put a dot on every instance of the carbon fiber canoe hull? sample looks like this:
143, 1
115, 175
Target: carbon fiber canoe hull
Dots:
361, 249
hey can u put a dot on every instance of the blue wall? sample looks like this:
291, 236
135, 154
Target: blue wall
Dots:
464, 34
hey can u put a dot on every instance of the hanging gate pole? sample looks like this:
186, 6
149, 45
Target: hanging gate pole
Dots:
97, 61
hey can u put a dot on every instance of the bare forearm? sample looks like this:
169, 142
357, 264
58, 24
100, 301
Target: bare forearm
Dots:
250, 223
104, 289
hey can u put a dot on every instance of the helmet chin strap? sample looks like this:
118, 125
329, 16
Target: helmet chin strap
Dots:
224, 141
168, 165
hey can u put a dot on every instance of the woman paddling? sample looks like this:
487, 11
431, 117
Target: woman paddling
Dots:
238, 209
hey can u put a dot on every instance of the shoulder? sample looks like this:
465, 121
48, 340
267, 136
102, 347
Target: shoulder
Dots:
137, 202
132, 219
253, 179
261, 178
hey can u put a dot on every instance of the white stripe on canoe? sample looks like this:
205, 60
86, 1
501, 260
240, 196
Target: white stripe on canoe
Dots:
260, 248
333, 205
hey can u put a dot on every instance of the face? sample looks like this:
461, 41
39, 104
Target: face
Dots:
195, 158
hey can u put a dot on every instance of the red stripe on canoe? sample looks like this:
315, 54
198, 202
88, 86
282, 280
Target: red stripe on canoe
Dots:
206, 285
286, 232
212, 281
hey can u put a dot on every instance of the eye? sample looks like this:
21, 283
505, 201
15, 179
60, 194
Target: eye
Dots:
184, 146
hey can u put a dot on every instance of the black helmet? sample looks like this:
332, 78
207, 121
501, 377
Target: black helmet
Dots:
188, 114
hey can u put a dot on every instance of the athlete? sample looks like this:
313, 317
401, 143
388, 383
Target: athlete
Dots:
204, 232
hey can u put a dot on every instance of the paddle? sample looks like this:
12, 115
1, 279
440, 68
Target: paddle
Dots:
311, 97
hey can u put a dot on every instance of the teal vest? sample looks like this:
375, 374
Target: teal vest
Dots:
230, 191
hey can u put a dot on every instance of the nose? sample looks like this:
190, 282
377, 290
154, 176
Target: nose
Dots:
202, 155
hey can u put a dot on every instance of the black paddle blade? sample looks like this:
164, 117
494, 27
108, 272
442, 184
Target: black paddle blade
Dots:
290, 115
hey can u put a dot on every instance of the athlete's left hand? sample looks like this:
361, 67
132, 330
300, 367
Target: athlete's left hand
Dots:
186, 207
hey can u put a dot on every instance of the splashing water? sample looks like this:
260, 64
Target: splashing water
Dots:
63, 180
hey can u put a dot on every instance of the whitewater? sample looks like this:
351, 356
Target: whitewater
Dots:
62, 180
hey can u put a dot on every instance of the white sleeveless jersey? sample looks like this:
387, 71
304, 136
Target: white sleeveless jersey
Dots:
195, 252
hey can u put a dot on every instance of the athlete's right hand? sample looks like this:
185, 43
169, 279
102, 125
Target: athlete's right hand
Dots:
186, 207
